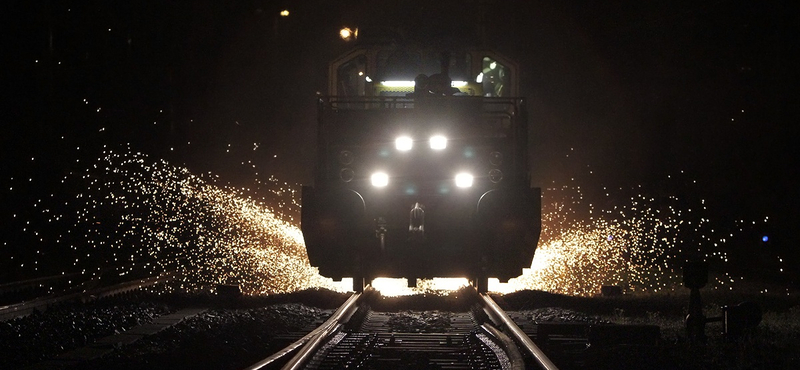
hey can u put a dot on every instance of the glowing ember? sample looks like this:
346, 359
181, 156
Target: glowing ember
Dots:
135, 214
640, 245
132, 214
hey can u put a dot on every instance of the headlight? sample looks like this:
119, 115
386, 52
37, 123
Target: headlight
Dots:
403, 143
379, 179
438, 142
464, 180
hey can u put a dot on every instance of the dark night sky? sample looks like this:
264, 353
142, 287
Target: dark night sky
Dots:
631, 91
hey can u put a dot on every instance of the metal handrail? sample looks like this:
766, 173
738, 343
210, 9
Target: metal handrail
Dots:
499, 316
509, 105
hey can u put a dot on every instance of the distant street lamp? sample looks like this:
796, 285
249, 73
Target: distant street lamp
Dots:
284, 13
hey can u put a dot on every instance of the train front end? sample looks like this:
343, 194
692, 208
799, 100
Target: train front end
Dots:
420, 186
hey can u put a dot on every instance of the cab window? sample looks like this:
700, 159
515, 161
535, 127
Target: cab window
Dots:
350, 77
494, 78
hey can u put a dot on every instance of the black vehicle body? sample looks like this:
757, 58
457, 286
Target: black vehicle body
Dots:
418, 222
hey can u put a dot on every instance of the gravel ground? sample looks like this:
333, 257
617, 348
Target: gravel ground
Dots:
216, 339
773, 344
236, 332
231, 327
420, 321
554, 314
33, 338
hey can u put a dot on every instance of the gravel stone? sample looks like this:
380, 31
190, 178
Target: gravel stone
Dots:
553, 314
42, 335
419, 322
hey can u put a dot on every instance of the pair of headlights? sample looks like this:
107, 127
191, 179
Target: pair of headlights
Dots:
381, 179
405, 143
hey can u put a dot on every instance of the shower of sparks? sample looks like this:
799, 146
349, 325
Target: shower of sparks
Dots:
134, 214
635, 246
640, 245
131, 214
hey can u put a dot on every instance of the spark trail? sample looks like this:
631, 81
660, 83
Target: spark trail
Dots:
135, 214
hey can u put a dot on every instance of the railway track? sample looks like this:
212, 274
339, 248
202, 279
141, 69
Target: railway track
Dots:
358, 337
20, 309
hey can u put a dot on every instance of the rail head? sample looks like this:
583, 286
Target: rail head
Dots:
504, 321
510, 347
311, 341
25, 308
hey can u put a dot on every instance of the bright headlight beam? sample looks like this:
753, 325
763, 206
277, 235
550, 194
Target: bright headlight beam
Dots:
438, 142
379, 179
403, 143
464, 180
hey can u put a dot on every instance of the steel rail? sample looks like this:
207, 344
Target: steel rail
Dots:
307, 352
25, 284
509, 346
308, 341
501, 318
25, 308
